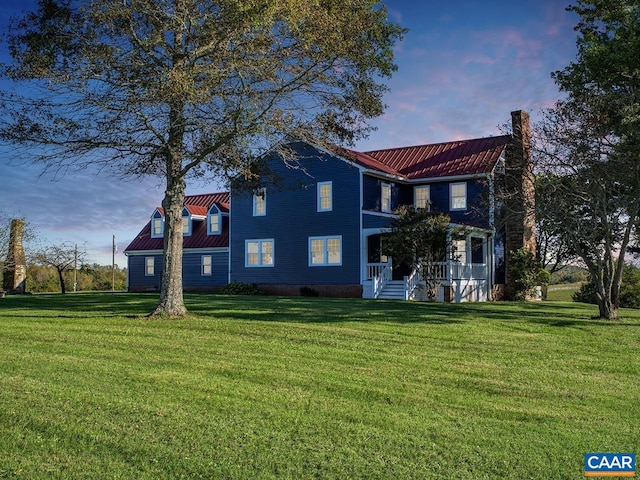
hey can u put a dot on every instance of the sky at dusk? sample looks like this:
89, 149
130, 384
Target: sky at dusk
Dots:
462, 68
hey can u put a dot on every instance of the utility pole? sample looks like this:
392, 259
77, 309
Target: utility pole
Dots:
113, 264
75, 268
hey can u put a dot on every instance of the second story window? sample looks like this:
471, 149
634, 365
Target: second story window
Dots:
421, 197
325, 196
385, 203
260, 203
458, 194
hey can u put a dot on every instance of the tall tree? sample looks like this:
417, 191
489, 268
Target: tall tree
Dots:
181, 88
590, 144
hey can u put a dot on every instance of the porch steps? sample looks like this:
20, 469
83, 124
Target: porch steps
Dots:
393, 290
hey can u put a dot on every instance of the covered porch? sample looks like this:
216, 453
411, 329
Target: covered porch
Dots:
467, 277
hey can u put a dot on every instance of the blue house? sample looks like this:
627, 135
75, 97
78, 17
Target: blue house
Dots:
321, 224
205, 262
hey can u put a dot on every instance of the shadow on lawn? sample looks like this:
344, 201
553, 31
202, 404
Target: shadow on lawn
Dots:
305, 310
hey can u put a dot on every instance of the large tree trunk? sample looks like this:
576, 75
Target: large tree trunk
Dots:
608, 309
171, 298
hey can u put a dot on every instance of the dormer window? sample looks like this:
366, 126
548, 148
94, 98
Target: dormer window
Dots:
157, 225
260, 203
214, 221
186, 222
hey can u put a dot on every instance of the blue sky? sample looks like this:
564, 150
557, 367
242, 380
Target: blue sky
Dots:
462, 68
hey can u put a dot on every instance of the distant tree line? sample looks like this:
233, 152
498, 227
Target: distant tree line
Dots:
41, 278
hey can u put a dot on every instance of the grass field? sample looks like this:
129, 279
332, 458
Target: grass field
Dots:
268, 387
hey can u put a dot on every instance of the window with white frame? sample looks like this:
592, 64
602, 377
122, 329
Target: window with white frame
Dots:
260, 203
325, 196
157, 225
458, 194
149, 266
459, 251
325, 251
206, 265
214, 221
259, 253
385, 204
421, 197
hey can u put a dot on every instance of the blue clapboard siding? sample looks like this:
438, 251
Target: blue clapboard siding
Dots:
191, 271
374, 221
372, 194
136, 268
292, 218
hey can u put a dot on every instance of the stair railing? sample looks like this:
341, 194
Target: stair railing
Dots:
381, 278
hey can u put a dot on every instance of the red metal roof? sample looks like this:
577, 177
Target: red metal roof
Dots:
197, 205
365, 160
463, 157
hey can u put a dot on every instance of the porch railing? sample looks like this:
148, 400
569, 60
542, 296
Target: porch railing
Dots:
411, 283
380, 274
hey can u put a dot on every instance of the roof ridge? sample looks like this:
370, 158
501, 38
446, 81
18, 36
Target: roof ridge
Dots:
368, 152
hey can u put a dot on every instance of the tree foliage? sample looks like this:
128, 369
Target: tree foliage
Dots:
184, 88
590, 145
89, 277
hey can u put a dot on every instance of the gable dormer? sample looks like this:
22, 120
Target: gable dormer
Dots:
214, 220
157, 224
187, 222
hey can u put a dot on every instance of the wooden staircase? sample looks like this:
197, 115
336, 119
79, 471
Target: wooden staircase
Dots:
393, 290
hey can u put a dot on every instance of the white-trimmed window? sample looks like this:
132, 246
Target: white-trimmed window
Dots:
459, 251
325, 251
260, 203
149, 266
186, 222
259, 253
157, 225
206, 265
458, 195
325, 196
421, 197
214, 221
385, 195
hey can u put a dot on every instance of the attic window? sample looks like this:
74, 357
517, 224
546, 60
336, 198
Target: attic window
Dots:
214, 221
157, 225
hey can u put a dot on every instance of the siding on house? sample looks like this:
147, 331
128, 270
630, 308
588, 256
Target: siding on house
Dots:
136, 272
192, 269
292, 218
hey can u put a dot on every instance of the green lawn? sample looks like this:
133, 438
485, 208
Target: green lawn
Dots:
268, 387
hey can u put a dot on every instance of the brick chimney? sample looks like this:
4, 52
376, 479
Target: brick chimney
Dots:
14, 273
520, 195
